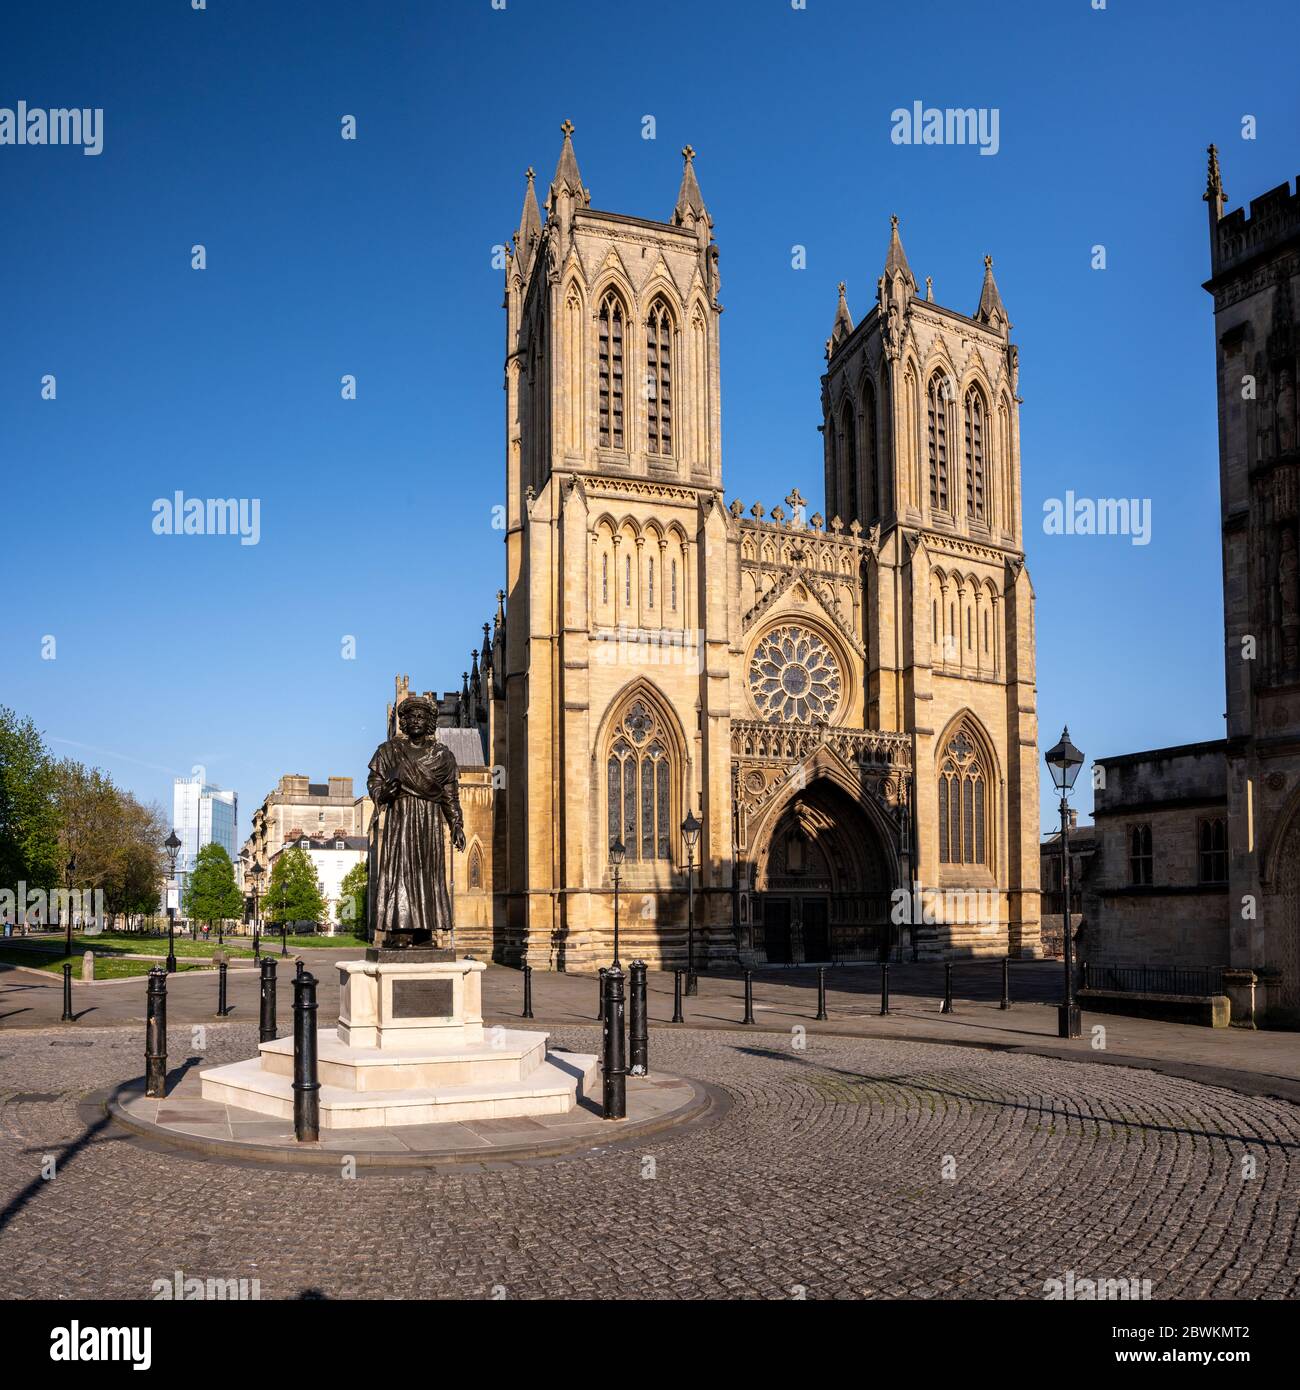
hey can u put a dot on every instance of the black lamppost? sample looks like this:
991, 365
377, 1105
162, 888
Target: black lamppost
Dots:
1065, 760
616, 853
691, 828
284, 917
255, 873
171, 844
67, 929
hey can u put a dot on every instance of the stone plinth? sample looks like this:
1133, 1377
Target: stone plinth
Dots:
410, 1049
392, 1004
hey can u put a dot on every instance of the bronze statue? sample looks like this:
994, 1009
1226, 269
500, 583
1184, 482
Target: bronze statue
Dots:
414, 786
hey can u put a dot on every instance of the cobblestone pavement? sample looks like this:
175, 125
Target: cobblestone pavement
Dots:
826, 1176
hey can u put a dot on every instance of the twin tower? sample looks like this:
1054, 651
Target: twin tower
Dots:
844, 700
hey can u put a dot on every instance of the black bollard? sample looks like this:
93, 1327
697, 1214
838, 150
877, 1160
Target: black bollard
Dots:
306, 1082
946, 1006
1006, 983
221, 989
821, 993
884, 988
614, 1055
600, 989
528, 991
67, 995
266, 1027
749, 997
637, 1023
677, 997
155, 1035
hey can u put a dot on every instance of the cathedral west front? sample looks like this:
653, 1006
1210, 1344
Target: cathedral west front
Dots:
843, 695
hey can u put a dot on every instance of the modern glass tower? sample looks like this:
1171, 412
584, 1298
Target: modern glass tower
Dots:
202, 814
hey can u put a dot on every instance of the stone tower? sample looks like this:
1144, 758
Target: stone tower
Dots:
616, 567
1255, 281
922, 451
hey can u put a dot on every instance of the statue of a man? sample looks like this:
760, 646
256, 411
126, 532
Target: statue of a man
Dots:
413, 783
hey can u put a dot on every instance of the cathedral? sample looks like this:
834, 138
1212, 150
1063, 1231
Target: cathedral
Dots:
843, 698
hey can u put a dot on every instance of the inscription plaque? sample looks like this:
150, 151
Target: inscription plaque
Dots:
422, 998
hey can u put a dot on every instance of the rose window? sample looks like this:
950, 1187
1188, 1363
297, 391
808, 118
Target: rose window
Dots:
794, 677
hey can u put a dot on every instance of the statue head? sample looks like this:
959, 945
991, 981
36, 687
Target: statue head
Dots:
417, 716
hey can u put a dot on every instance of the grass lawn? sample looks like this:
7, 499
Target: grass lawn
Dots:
133, 943
341, 941
106, 967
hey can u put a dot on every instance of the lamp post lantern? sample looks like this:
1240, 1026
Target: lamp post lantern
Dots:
1065, 760
171, 844
69, 870
617, 850
691, 828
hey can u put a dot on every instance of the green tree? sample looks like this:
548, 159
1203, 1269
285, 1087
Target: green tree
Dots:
294, 893
211, 894
351, 906
115, 840
29, 816
131, 888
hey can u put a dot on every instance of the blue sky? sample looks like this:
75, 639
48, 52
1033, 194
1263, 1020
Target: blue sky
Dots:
373, 257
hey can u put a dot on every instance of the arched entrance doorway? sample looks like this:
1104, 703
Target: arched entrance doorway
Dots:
822, 883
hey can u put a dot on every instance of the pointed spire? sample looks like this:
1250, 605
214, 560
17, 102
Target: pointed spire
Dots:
896, 257
530, 224
463, 710
1213, 179
843, 323
567, 178
1214, 194
485, 660
690, 201
991, 310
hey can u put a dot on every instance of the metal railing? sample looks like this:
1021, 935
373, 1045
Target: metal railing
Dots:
1152, 979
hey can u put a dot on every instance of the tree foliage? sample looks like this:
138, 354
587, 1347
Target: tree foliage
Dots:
211, 894
351, 906
294, 893
29, 820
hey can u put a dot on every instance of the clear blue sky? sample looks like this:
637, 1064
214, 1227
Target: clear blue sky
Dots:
373, 257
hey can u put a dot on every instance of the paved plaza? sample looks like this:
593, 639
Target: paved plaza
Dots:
833, 1167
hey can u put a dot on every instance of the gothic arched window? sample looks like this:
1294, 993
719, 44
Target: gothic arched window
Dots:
1139, 856
937, 441
963, 802
975, 507
1214, 850
674, 594
650, 595
870, 455
475, 868
849, 462
611, 372
639, 785
658, 379
604, 579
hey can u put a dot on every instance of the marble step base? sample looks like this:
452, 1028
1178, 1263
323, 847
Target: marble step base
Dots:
504, 1055
551, 1088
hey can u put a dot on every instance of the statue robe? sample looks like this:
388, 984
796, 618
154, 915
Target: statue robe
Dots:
408, 864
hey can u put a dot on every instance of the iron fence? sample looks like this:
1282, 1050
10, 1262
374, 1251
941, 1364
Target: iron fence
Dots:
1153, 979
